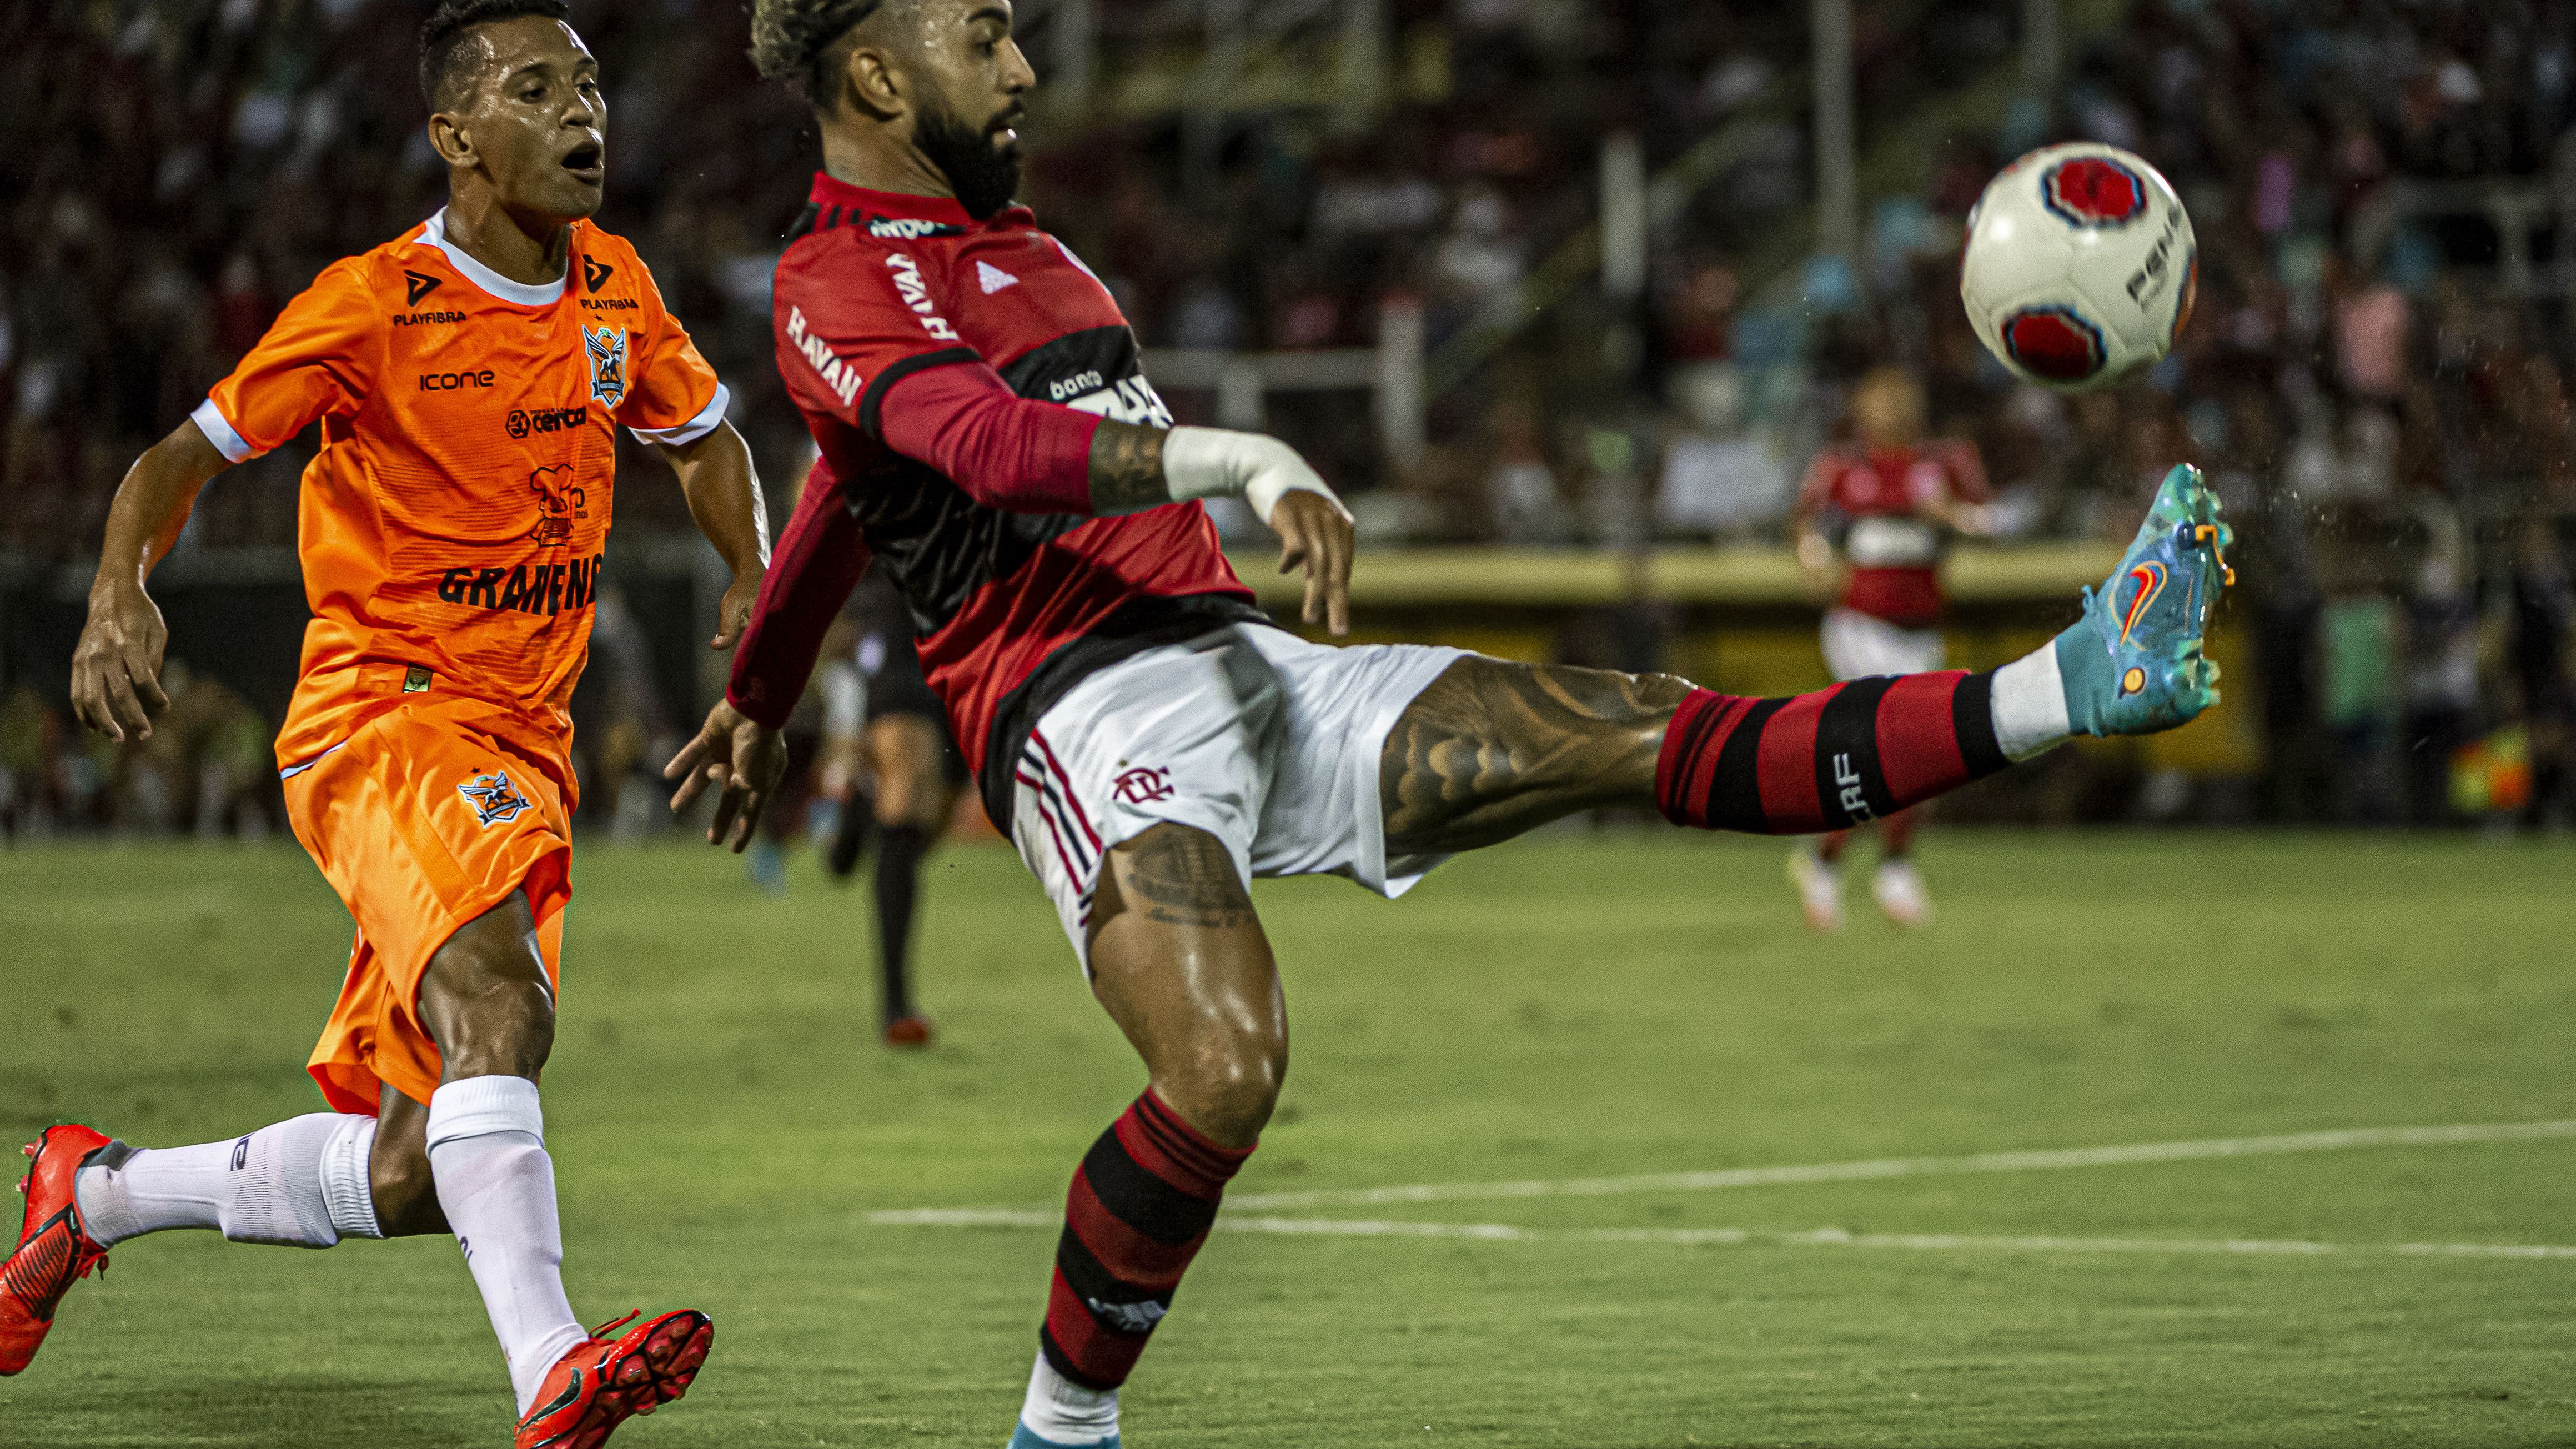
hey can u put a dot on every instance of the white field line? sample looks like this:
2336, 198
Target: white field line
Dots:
1886, 1167
1740, 1237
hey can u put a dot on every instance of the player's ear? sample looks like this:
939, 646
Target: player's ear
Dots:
447, 137
871, 81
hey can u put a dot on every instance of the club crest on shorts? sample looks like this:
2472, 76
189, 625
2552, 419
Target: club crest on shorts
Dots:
607, 348
1142, 785
495, 800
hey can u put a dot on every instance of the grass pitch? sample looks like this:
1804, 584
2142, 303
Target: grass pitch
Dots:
1569, 1007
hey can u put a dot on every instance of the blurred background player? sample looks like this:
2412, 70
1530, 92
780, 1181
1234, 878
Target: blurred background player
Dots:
1891, 494
469, 378
904, 774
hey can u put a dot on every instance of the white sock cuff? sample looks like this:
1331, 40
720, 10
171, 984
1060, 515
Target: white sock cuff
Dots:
479, 1106
348, 1181
1061, 1411
2029, 702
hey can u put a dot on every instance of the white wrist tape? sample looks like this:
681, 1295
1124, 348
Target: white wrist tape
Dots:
1222, 463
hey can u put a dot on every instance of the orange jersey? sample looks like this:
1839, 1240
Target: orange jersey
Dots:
451, 529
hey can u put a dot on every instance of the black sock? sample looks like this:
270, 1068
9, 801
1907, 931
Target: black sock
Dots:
858, 818
899, 852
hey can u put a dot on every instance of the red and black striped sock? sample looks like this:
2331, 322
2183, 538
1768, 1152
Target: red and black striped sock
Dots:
1140, 1206
1828, 760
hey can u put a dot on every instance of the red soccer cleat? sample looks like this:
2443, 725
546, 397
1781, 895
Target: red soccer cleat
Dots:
53, 1251
908, 1031
600, 1384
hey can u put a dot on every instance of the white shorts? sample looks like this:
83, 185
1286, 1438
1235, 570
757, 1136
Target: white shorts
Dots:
1858, 646
1267, 742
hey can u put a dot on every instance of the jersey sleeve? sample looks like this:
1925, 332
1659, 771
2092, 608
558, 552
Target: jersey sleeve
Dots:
318, 359
853, 319
672, 395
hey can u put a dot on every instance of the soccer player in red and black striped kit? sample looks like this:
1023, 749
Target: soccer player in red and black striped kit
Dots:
1146, 737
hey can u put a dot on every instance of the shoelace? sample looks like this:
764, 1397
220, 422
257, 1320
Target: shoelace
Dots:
610, 1328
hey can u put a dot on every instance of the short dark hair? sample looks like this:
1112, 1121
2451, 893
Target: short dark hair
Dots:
795, 41
443, 36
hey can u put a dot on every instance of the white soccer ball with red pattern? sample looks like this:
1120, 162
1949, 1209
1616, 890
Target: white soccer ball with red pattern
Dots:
2080, 266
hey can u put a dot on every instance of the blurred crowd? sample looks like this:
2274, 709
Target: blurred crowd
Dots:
2382, 398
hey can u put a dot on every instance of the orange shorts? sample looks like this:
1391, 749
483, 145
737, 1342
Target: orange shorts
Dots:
422, 823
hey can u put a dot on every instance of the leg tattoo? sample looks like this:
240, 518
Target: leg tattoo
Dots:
1494, 748
1185, 878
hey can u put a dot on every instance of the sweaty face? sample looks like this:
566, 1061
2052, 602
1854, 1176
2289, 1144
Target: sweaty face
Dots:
535, 118
972, 80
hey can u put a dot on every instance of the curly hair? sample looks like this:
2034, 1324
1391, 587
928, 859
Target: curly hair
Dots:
444, 33
801, 41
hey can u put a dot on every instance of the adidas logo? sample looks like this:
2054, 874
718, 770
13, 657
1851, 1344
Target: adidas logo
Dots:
993, 278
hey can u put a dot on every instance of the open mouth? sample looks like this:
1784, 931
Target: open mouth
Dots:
1004, 128
583, 161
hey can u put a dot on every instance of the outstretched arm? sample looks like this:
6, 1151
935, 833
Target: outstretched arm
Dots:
116, 668
723, 491
1017, 453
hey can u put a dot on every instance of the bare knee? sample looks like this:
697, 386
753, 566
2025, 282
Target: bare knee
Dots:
1227, 1084
486, 1000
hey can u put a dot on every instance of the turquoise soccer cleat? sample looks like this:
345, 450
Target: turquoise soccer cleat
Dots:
2133, 664
1024, 1438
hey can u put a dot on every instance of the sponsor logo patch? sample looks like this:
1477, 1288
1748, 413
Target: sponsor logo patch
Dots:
417, 319
595, 274
454, 381
992, 278
560, 500
420, 285
1129, 1317
839, 376
523, 421
495, 800
905, 228
916, 295
542, 588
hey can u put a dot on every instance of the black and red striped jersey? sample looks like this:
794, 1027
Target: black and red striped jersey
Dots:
1011, 608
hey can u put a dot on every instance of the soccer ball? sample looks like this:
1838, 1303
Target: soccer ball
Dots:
2080, 266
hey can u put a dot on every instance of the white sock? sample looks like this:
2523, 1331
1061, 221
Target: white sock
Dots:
487, 1156
1061, 1411
267, 1187
2030, 705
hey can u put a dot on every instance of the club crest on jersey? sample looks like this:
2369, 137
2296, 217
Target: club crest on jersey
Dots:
1142, 785
607, 348
495, 800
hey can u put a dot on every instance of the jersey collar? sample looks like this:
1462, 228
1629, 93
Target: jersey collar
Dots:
541, 295
859, 201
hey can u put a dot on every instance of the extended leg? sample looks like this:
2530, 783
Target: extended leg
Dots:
1492, 748
1181, 963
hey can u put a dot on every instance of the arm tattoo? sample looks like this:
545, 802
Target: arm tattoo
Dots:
1185, 878
1127, 469
1494, 748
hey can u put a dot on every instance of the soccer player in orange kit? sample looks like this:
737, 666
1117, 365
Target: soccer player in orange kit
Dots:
469, 377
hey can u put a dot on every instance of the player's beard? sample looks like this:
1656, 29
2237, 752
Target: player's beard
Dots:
985, 177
